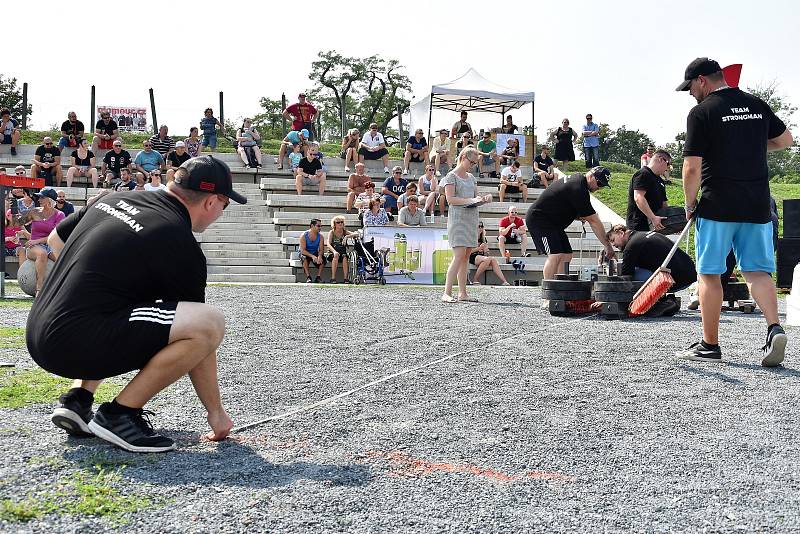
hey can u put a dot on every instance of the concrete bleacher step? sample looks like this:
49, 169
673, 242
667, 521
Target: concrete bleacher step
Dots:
242, 246
227, 253
264, 229
271, 243
248, 269
258, 260
304, 202
222, 278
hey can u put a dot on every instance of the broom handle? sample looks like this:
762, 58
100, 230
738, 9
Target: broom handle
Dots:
677, 244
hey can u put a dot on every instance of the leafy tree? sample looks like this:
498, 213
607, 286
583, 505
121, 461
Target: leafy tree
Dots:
269, 121
11, 97
624, 146
352, 91
782, 162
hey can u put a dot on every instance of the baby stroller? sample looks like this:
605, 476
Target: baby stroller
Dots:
368, 264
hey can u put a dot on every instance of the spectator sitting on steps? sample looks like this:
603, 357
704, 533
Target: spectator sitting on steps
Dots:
106, 132
175, 159
480, 258
43, 220
373, 147
11, 238
155, 182
46, 162
311, 250
248, 138
9, 130
512, 231
441, 151
83, 164
411, 189
411, 215
193, 142
543, 167
350, 144
511, 182
148, 160
356, 184
126, 182
62, 204
393, 187
428, 186
309, 172
72, 132
335, 243
292, 139
375, 215
488, 150
416, 150
162, 143
113, 162
363, 200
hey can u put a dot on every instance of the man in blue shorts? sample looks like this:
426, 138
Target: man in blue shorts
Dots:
728, 135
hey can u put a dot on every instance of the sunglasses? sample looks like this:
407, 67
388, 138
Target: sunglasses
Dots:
226, 200
20, 173
398, 172
339, 222
147, 145
48, 144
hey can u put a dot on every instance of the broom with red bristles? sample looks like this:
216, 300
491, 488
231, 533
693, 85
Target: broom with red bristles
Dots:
659, 282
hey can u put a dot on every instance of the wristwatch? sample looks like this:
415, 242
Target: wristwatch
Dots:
690, 207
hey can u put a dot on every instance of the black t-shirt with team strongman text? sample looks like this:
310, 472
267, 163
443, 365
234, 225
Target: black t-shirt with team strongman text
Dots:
123, 249
644, 180
647, 250
564, 200
729, 130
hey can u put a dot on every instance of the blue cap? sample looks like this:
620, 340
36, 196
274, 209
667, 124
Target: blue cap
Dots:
305, 133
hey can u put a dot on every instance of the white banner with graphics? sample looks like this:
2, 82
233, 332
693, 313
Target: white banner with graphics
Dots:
502, 142
128, 118
424, 252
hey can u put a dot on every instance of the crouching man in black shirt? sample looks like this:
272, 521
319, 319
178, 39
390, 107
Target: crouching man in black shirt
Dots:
644, 254
566, 199
93, 320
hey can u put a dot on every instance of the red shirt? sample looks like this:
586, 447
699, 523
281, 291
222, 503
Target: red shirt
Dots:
506, 222
302, 114
11, 231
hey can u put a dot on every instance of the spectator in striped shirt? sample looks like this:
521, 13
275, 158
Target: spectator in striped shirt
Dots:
162, 143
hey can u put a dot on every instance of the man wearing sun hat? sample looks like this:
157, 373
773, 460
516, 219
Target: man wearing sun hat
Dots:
94, 320
728, 135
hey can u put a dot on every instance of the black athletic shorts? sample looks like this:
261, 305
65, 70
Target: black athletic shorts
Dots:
93, 348
474, 255
311, 263
510, 188
550, 240
513, 239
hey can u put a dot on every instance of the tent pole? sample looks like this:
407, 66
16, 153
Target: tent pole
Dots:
533, 117
502, 118
430, 116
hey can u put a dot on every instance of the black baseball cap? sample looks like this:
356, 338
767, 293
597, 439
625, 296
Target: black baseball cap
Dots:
48, 192
602, 175
209, 175
701, 66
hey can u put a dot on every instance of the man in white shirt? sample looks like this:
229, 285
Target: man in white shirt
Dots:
511, 182
373, 146
155, 182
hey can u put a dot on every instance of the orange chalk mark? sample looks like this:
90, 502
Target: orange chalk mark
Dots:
404, 465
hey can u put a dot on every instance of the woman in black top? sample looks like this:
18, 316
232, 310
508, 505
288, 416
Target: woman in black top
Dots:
83, 164
509, 127
564, 137
480, 258
510, 153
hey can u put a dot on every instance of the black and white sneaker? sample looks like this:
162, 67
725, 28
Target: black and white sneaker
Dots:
72, 416
698, 352
775, 348
130, 431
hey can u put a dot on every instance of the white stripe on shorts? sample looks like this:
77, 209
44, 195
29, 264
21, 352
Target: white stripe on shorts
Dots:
152, 315
546, 245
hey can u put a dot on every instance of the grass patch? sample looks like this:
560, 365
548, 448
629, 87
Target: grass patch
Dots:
20, 388
95, 493
16, 303
12, 337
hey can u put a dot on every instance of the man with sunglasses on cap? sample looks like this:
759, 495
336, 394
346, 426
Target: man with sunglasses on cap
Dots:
46, 162
302, 114
728, 135
566, 199
106, 131
155, 323
113, 162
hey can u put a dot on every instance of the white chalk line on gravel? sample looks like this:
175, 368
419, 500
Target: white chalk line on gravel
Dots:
328, 400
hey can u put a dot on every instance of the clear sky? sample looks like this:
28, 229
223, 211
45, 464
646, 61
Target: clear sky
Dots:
619, 60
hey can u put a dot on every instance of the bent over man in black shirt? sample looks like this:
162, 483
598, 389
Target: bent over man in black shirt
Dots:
566, 199
93, 320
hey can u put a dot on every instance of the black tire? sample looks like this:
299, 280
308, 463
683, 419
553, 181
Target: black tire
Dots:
613, 296
622, 285
382, 281
566, 285
562, 276
736, 291
552, 294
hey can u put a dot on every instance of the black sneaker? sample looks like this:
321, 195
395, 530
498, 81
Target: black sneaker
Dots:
13, 151
130, 431
775, 348
699, 353
72, 416
661, 308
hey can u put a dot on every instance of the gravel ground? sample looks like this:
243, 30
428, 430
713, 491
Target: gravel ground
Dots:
574, 425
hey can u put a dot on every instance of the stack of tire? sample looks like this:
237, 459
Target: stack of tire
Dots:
565, 288
616, 294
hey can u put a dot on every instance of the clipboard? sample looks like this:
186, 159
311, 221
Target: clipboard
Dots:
475, 204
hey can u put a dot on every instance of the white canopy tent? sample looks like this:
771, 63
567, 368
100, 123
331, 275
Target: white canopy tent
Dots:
470, 92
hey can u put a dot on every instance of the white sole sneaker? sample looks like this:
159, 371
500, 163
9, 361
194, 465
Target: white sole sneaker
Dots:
775, 354
110, 437
70, 422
